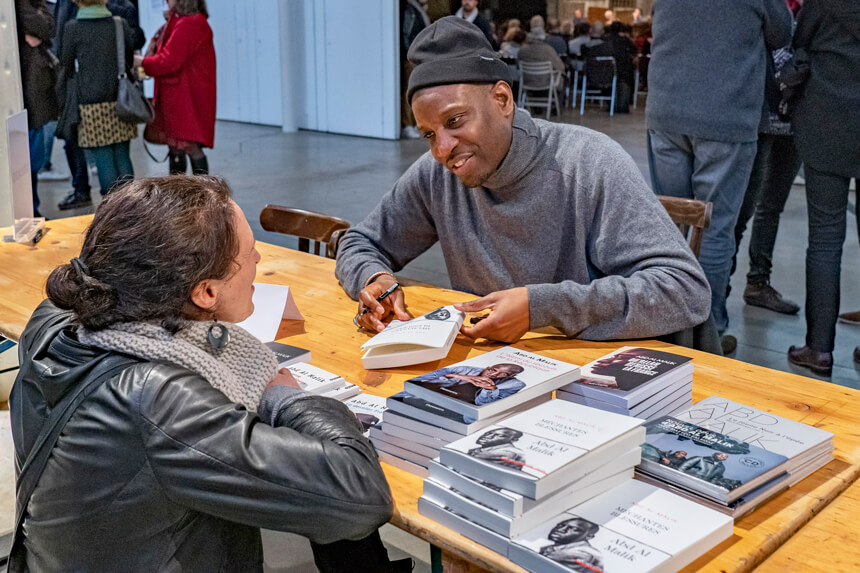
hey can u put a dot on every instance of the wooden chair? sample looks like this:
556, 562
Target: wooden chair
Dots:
691, 216
307, 226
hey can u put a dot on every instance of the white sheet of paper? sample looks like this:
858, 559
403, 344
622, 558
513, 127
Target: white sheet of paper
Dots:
271, 304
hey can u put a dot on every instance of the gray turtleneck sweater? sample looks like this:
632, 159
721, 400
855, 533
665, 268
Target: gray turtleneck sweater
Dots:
566, 214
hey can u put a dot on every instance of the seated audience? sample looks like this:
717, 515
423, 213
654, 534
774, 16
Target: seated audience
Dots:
596, 35
527, 213
621, 48
580, 38
193, 439
537, 49
514, 40
554, 37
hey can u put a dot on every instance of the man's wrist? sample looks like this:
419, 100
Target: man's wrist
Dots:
375, 276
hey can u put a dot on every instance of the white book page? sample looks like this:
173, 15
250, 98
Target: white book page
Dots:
431, 330
311, 377
271, 304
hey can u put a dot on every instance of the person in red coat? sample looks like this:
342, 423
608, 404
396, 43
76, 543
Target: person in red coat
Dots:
181, 58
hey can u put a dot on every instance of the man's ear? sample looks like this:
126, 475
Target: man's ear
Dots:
503, 97
204, 295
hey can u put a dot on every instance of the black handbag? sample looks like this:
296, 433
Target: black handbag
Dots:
70, 113
34, 466
131, 105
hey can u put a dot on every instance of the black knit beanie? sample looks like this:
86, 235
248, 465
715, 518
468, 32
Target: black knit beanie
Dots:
453, 51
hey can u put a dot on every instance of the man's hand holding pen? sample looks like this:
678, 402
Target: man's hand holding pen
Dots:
373, 307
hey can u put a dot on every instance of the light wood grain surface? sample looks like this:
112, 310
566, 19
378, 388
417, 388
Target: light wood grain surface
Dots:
827, 543
334, 342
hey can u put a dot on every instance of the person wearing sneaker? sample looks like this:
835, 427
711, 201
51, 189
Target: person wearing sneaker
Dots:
827, 133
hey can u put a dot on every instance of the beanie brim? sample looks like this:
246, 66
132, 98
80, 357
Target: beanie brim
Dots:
472, 69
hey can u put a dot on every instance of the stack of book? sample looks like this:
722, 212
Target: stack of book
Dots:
632, 528
311, 378
314, 379
507, 479
640, 382
729, 456
444, 405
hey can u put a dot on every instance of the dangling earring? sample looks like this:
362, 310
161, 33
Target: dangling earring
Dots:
218, 335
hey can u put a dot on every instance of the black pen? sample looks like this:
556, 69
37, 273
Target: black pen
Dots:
382, 297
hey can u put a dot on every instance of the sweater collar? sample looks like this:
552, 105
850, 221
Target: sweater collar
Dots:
521, 155
93, 12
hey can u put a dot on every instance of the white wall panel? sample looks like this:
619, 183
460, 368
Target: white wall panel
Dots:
247, 49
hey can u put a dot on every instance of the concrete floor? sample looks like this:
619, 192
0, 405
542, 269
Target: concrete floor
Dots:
345, 176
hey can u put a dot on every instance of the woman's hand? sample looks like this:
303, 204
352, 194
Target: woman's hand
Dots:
138, 61
283, 378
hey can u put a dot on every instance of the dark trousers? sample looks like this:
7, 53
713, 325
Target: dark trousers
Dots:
827, 201
77, 164
368, 554
774, 169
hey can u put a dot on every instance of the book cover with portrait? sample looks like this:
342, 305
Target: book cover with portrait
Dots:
632, 528
536, 452
631, 374
710, 463
368, 409
493, 382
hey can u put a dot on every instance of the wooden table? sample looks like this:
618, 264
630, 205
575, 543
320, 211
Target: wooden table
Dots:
329, 334
827, 543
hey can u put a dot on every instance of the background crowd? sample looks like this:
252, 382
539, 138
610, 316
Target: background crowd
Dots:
735, 135
70, 68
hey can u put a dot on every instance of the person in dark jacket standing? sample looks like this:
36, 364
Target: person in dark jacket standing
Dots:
827, 132
469, 12
91, 41
64, 12
181, 58
177, 460
39, 79
703, 118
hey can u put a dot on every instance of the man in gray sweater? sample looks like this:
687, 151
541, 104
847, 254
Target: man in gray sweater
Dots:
705, 95
552, 225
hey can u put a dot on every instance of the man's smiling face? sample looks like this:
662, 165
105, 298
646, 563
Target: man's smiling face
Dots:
468, 127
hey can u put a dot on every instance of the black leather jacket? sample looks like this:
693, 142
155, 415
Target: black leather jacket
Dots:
158, 471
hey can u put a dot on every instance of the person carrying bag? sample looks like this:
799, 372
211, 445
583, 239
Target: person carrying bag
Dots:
131, 105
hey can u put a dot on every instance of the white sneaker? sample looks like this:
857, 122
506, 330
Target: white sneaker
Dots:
410, 132
51, 175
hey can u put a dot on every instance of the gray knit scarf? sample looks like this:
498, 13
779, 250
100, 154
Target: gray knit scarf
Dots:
241, 370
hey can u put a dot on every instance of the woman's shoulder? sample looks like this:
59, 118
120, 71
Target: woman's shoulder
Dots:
196, 23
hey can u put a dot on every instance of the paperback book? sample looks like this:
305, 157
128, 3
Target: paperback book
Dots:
368, 409
383, 440
342, 392
513, 504
414, 436
633, 528
422, 339
288, 355
431, 414
314, 379
736, 509
538, 451
706, 462
660, 404
799, 442
512, 527
466, 527
492, 383
629, 375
